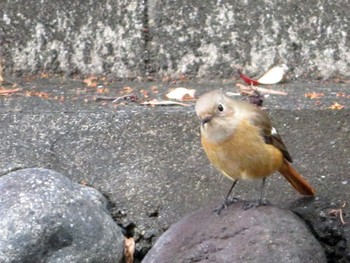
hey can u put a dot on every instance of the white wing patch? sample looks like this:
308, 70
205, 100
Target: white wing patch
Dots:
273, 131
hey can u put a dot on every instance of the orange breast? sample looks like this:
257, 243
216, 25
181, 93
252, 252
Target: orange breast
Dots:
244, 155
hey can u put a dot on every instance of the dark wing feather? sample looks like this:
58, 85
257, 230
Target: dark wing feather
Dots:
262, 120
276, 141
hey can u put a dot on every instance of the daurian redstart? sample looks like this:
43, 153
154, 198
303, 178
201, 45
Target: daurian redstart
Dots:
241, 143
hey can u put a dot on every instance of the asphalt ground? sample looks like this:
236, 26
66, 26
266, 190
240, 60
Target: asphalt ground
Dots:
148, 161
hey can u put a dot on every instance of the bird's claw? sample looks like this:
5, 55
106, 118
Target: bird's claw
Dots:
256, 203
225, 204
219, 209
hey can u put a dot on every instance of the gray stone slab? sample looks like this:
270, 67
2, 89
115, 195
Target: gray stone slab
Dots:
80, 37
208, 38
203, 39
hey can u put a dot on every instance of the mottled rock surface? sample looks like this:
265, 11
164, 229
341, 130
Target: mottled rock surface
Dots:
80, 37
45, 217
208, 38
128, 39
262, 234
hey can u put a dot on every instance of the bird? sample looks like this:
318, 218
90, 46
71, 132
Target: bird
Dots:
240, 142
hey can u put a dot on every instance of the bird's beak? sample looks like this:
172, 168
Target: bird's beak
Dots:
206, 119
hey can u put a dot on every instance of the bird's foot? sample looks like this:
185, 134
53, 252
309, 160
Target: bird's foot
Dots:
225, 204
219, 209
256, 203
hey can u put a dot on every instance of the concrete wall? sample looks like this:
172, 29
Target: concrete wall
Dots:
204, 39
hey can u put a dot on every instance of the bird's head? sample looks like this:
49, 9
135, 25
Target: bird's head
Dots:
216, 112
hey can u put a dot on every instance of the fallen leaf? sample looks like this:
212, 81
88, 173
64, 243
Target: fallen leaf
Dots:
156, 102
336, 213
246, 79
4, 92
127, 89
336, 106
273, 75
102, 90
84, 182
313, 95
344, 95
154, 89
39, 94
144, 93
341, 94
91, 81
181, 94
129, 250
1, 77
129, 97
166, 78
248, 90
44, 75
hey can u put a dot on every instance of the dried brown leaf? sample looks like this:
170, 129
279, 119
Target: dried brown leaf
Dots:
156, 102
91, 81
84, 182
250, 90
44, 75
1, 76
144, 93
102, 90
343, 95
337, 212
336, 106
154, 89
4, 92
181, 94
129, 250
127, 89
40, 94
313, 95
166, 78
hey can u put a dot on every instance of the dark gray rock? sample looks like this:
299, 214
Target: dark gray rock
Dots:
262, 234
45, 217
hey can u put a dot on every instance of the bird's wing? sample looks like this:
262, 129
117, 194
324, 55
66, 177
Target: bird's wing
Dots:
269, 133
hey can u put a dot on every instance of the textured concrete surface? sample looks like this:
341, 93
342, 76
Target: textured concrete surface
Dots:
128, 39
81, 37
148, 160
204, 38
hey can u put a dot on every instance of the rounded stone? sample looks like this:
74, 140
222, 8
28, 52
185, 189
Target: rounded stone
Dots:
45, 217
260, 234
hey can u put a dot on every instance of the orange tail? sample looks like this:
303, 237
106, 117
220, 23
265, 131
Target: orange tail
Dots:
295, 179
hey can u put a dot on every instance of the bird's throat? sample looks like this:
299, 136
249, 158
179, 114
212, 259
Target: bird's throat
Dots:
216, 133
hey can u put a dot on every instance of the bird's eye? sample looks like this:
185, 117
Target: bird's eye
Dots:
220, 107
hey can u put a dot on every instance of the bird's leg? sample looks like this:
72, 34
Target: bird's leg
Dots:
262, 191
260, 201
227, 202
